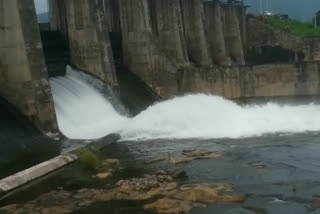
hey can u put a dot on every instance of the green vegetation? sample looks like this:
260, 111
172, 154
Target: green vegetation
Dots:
186, 67
88, 159
295, 27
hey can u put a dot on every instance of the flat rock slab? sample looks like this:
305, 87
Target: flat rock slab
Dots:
35, 172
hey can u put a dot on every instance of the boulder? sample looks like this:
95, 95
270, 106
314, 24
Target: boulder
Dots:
171, 206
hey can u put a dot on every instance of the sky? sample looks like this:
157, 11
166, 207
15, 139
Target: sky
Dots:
41, 6
302, 10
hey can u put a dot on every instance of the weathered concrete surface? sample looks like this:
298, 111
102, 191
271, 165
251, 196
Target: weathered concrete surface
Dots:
260, 35
23, 73
88, 36
254, 81
195, 32
167, 26
28, 175
142, 53
233, 36
215, 33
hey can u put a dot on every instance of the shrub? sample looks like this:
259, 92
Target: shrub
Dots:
297, 28
88, 159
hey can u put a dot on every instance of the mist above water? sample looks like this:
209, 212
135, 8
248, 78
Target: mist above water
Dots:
84, 113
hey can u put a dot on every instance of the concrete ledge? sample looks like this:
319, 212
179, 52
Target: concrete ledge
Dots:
12, 182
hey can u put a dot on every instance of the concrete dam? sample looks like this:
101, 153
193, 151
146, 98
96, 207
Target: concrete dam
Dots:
172, 47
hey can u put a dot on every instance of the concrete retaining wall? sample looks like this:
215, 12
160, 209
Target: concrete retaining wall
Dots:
254, 81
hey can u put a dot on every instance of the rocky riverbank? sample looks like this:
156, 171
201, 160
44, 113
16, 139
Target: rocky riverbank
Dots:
160, 193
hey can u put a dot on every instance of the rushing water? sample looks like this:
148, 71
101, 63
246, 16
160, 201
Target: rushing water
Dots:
84, 113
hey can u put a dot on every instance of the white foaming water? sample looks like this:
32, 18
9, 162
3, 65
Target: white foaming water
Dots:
84, 113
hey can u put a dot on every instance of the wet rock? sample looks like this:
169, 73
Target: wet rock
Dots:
168, 206
178, 160
256, 210
207, 193
170, 198
161, 172
57, 210
103, 175
316, 204
9, 209
257, 165
145, 188
195, 154
178, 174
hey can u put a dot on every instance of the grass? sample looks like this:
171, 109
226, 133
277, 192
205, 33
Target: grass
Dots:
295, 27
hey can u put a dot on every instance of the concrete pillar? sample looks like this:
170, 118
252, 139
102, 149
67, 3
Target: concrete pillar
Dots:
242, 16
58, 19
215, 33
136, 37
233, 34
111, 9
88, 36
168, 28
142, 52
23, 73
197, 44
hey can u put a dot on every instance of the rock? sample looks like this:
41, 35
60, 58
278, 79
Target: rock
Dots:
256, 210
161, 172
103, 175
145, 188
179, 174
257, 165
178, 160
171, 206
9, 209
196, 154
202, 154
316, 204
207, 193
111, 163
57, 210
170, 198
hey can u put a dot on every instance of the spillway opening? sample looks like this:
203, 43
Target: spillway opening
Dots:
56, 51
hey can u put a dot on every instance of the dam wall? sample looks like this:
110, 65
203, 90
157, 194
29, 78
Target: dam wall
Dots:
272, 80
23, 72
159, 38
85, 25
